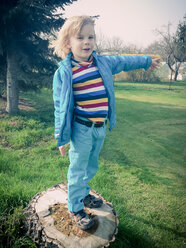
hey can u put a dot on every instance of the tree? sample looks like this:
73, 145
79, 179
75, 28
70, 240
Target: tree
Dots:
24, 44
114, 45
180, 40
157, 47
100, 43
174, 46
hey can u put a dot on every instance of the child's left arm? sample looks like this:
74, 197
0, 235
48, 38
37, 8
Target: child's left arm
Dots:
118, 63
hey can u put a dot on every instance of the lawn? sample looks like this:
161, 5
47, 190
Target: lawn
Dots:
142, 164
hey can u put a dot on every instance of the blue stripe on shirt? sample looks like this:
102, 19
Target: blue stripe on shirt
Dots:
90, 94
86, 77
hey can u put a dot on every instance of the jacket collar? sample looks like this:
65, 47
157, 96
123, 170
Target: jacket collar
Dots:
67, 60
94, 54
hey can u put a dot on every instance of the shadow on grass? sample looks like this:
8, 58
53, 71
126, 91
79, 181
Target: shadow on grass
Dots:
128, 237
159, 226
34, 105
130, 131
143, 173
38, 106
136, 231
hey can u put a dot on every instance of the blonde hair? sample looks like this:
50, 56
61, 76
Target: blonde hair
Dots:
71, 27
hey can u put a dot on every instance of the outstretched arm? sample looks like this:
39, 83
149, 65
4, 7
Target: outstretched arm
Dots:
118, 63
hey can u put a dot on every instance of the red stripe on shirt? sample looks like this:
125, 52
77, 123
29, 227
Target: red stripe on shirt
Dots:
88, 86
78, 70
101, 104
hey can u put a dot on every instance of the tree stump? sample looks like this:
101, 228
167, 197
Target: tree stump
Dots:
48, 223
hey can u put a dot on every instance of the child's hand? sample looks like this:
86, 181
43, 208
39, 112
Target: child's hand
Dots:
62, 151
155, 63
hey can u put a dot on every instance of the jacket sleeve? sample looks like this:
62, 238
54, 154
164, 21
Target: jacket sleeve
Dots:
127, 63
57, 85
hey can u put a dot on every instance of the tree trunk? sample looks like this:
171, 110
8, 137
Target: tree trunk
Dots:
176, 75
177, 70
48, 223
12, 86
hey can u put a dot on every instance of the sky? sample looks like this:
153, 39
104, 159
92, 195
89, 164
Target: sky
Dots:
133, 21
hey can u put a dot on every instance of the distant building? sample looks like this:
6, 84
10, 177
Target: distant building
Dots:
182, 72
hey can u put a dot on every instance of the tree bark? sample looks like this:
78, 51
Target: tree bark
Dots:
12, 86
177, 65
176, 75
48, 223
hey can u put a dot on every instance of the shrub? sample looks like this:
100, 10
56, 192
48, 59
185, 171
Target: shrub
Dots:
142, 76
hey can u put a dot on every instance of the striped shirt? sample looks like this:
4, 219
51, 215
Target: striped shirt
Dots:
90, 96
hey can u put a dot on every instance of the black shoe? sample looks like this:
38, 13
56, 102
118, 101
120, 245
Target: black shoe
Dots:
91, 201
82, 219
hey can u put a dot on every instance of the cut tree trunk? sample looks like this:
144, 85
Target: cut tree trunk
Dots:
48, 223
12, 86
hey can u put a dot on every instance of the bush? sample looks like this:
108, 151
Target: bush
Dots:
142, 76
138, 76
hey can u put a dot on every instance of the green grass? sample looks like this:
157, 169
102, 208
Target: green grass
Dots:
142, 163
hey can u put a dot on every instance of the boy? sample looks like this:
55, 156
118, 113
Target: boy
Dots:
84, 99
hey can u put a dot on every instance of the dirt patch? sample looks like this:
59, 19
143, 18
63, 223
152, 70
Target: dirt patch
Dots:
25, 105
14, 123
66, 225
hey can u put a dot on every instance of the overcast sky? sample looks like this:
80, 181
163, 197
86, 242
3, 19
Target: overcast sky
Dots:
131, 20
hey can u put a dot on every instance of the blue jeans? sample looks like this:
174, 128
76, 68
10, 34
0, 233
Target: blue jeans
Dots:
85, 146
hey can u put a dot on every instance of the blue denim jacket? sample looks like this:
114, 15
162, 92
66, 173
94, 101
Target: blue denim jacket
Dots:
63, 92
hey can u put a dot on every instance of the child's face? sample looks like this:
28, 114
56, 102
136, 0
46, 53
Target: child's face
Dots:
82, 44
